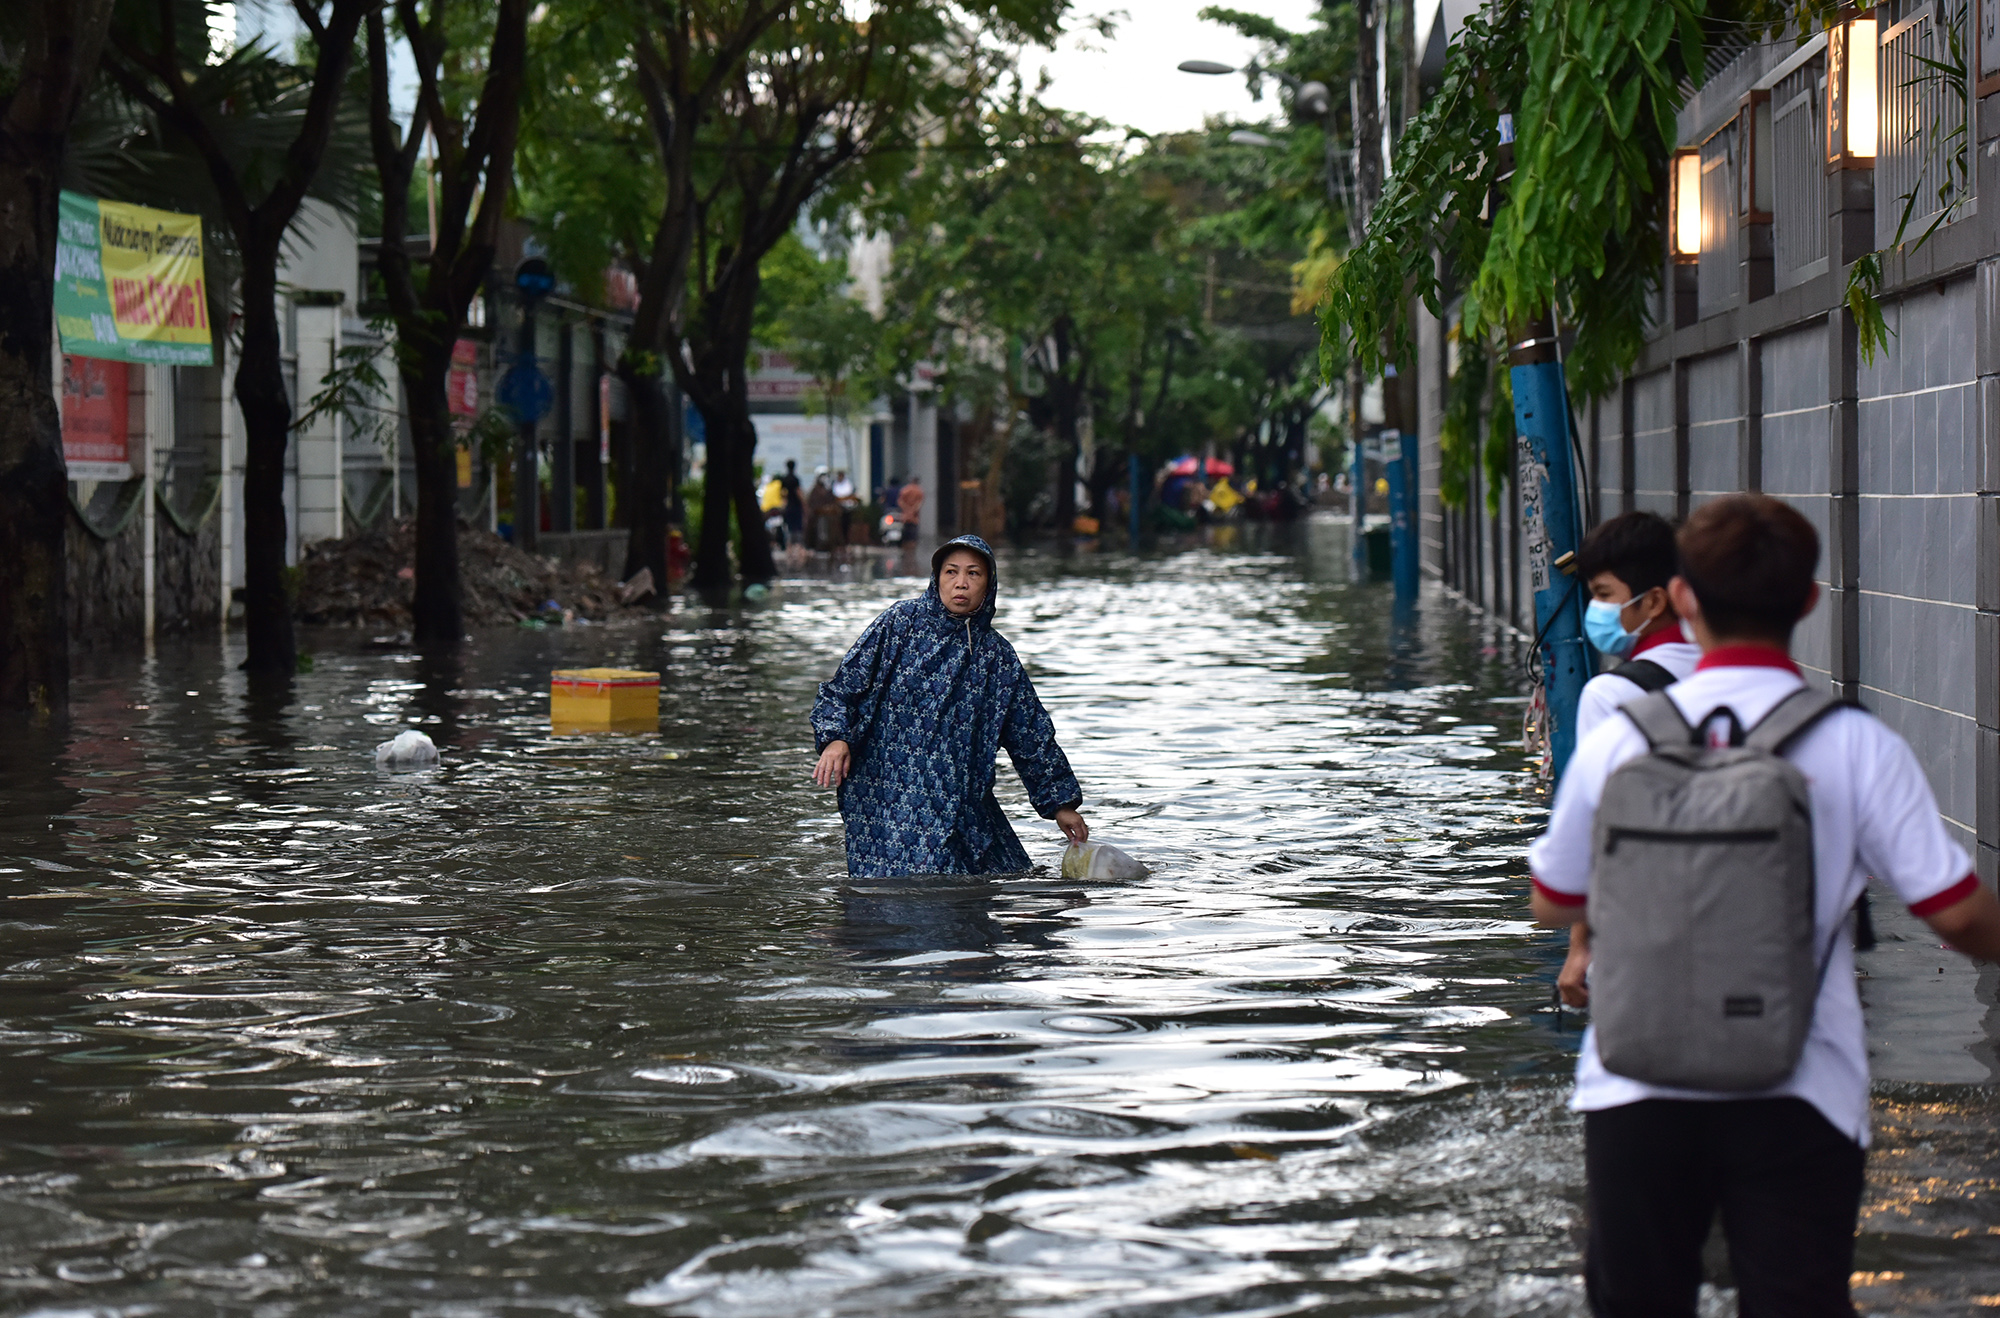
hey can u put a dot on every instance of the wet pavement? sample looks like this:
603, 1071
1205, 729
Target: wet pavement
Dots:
599, 1025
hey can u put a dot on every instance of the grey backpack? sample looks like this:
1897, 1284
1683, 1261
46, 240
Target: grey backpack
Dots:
1703, 968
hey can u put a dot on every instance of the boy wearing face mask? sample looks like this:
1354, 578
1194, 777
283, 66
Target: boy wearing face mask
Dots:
1626, 564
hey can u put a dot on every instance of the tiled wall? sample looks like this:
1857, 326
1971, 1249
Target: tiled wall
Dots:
1653, 443
1607, 415
1795, 421
1919, 466
1715, 426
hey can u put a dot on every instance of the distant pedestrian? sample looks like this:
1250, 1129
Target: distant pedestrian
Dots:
771, 502
1716, 857
822, 513
795, 504
1625, 564
909, 724
910, 507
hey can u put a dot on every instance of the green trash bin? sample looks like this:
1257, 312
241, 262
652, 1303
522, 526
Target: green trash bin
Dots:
1381, 558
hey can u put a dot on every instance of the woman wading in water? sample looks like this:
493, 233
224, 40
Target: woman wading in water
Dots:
910, 723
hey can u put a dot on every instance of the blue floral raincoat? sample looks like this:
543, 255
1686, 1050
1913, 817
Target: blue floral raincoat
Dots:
925, 701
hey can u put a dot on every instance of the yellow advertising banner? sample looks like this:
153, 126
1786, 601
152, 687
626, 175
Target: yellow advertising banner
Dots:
130, 284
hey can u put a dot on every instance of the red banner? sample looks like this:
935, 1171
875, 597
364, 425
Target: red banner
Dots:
96, 417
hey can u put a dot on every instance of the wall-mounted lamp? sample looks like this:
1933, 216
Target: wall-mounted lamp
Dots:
1756, 172
1852, 111
1686, 202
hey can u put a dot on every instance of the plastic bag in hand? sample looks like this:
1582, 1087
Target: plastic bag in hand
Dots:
1100, 860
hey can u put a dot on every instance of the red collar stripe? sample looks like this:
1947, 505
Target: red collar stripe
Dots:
1664, 636
1746, 656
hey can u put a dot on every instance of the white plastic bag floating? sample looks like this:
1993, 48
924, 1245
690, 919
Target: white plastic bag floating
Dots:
1100, 860
410, 750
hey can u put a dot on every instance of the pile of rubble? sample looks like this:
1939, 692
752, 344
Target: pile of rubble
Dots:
367, 579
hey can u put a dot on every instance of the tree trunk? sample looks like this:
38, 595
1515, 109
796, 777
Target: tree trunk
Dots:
1067, 397
51, 53
34, 499
753, 556
719, 386
438, 609
712, 571
645, 501
267, 428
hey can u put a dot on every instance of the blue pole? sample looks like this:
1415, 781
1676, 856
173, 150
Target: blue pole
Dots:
1401, 464
1358, 501
1132, 465
1551, 526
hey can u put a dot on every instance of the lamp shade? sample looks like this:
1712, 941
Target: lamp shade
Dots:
1853, 116
1687, 205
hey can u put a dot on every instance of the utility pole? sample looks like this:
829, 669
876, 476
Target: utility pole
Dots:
1363, 98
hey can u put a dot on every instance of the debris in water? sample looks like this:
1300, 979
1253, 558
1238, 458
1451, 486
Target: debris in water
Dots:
410, 750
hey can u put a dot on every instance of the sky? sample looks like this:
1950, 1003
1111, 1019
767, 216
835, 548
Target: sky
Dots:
1131, 79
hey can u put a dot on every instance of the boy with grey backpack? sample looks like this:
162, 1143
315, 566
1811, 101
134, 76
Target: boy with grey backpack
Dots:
1714, 840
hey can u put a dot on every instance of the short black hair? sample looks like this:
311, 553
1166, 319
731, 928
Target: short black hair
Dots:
1637, 548
1750, 560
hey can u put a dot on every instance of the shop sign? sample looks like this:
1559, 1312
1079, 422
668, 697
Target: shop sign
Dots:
130, 285
96, 419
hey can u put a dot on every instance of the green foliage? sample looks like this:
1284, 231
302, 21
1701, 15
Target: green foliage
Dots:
357, 392
252, 102
806, 309
1478, 430
1593, 87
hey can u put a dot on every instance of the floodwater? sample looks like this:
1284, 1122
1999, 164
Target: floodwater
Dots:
599, 1025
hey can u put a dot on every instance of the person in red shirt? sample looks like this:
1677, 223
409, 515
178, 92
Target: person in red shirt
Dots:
910, 508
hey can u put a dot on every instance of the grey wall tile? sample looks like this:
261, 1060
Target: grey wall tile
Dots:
1924, 442
1875, 426
1712, 388
1795, 370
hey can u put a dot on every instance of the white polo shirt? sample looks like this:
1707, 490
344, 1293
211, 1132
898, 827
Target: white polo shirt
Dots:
1607, 693
1873, 814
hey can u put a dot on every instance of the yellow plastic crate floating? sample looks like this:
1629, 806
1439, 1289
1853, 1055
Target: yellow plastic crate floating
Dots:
604, 700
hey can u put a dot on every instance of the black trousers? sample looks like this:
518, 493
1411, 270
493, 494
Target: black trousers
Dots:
1787, 1183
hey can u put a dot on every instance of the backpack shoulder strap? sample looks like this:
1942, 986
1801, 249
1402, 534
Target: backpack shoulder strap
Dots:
1659, 720
1645, 674
1791, 719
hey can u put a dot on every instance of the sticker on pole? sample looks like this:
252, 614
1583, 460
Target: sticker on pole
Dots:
130, 284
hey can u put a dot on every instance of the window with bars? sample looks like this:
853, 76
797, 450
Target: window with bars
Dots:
1799, 198
1922, 163
1719, 275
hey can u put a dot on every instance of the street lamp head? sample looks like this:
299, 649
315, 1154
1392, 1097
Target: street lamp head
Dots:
1207, 66
1311, 100
1245, 137
533, 278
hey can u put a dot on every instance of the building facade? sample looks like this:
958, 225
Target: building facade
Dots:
1756, 380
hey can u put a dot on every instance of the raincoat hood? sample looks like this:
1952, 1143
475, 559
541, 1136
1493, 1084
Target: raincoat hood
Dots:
983, 615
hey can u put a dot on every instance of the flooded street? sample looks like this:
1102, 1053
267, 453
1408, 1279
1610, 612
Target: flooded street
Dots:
599, 1025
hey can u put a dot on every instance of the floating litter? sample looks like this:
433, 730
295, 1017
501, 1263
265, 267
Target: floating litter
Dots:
604, 700
1100, 860
410, 750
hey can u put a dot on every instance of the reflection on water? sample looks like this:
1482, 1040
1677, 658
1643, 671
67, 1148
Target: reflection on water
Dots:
600, 1025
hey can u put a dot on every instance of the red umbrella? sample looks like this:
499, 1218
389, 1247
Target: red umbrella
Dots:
1188, 466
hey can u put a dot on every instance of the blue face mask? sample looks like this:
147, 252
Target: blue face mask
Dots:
1606, 632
